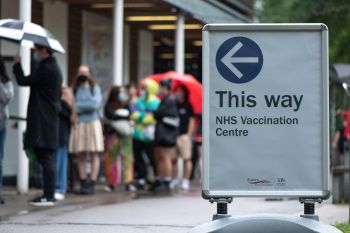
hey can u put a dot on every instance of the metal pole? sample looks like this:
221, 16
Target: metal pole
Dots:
25, 13
180, 44
118, 17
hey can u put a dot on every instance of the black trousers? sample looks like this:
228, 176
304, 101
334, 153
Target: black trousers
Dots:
46, 158
140, 147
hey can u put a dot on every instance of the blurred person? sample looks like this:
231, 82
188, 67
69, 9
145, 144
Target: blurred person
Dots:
165, 136
67, 118
132, 91
346, 116
6, 94
197, 160
184, 140
43, 117
87, 137
338, 144
144, 127
118, 133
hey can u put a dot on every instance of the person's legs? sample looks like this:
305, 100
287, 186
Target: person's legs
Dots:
164, 168
82, 165
140, 166
167, 163
61, 156
82, 162
46, 159
185, 148
2, 145
149, 149
126, 148
58, 160
199, 159
95, 162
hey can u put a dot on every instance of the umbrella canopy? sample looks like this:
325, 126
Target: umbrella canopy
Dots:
28, 33
193, 86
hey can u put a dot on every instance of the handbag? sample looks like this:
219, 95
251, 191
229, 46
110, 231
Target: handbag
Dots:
122, 127
166, 134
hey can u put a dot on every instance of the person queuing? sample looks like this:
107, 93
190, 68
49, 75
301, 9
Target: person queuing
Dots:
67, 118
42, 117
184, 140
87, 137
6, 94
165, 136
144, 127
118, 138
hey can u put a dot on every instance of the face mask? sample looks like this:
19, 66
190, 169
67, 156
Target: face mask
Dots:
82, 78
123, 97
143, 94
36, 57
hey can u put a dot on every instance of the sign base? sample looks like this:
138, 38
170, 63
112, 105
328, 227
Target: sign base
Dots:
264, 223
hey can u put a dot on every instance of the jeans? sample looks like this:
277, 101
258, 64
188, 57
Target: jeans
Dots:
2, 144
46, 159
61, 156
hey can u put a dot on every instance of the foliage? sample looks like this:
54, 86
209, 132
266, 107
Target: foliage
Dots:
335, 14
344, 227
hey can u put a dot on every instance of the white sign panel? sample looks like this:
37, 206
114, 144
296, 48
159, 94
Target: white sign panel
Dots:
265, 110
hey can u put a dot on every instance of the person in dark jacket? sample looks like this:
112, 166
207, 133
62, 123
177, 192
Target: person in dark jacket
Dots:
165, 136
42, 117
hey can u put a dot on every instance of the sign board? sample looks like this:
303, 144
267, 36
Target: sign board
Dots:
265, 110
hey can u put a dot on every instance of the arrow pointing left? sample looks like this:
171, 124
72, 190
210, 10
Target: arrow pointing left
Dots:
229, 60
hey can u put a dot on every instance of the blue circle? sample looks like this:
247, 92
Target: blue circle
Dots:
247, 60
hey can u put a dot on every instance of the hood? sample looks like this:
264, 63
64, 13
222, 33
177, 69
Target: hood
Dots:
152, 87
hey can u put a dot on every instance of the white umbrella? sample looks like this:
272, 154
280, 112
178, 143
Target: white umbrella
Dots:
29, 34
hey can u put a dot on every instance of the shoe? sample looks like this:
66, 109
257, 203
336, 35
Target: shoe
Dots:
109, 188
174, 184
83, 187
163, 187
59, 196
140, 184
42, 201
2, 201
185, 185
155, 185
130, 188
91, 187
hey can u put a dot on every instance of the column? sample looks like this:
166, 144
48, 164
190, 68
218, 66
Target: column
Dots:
180, 44
118, 21
25, 13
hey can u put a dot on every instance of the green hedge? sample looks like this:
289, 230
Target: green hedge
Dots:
344, 227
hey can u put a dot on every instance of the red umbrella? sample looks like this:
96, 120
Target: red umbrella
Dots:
193, 86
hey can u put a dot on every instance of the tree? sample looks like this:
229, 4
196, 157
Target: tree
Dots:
335, 14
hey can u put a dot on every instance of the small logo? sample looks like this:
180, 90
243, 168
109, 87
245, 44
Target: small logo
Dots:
239, 60
257, 181
281, 181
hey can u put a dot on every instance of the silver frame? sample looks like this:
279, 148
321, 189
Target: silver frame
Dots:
324, 193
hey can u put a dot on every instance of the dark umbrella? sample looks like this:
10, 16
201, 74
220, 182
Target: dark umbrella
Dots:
28, 33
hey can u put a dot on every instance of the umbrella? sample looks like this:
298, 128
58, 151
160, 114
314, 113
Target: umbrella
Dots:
194, 87
28, 33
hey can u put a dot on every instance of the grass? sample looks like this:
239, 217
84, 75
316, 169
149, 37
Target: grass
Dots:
344, 227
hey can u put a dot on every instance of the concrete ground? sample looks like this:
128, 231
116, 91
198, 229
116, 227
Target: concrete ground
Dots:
138, 213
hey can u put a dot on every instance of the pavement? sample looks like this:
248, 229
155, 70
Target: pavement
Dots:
138, 212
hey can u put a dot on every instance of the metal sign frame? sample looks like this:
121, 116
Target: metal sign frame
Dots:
217, 194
